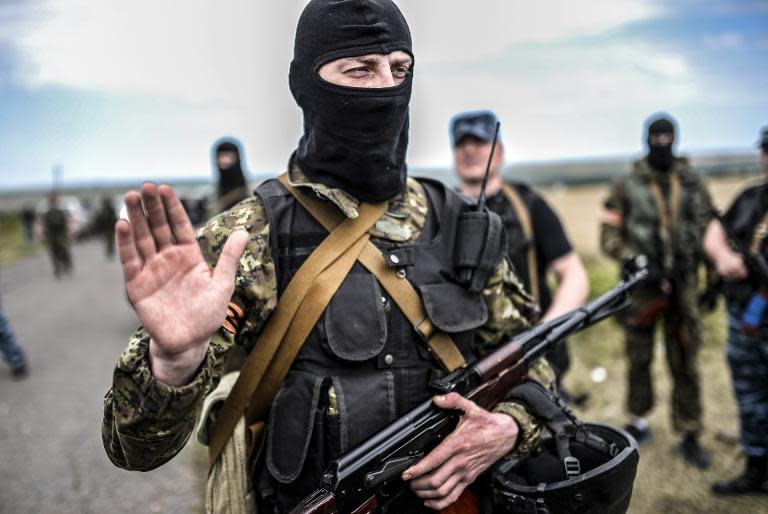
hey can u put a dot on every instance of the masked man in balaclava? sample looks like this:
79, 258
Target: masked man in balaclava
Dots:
232, 187
363, 364
661, 210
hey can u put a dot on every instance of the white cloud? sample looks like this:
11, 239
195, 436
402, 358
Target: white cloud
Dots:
447, 31
582, 101
225, 64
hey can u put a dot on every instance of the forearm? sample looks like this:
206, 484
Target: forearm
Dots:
572, 287
716, 242
146, 422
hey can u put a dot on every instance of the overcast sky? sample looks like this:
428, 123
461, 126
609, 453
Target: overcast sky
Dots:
141, 89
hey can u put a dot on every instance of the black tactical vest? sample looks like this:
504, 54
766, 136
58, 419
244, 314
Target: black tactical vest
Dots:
363, 347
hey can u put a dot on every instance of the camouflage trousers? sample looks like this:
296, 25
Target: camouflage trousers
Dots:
60, 256
682, 339
748, 360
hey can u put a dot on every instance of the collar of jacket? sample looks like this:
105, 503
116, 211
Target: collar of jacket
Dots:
644, 171
405, 214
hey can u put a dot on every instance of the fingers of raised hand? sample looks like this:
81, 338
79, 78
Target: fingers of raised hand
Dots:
142, 237
229, 259
177, 216
158, 221
126, 249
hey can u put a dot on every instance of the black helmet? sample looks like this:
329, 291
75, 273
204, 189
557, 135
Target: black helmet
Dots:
596, 477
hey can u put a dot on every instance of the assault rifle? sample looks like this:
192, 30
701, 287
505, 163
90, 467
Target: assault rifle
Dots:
367, 478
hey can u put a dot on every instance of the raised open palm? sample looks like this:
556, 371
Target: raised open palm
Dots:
178, 299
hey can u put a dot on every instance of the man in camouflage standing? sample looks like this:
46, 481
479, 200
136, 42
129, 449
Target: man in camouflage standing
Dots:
56, 232
363, 364
661, 210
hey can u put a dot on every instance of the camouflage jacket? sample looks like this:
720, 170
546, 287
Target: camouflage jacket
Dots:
633, 223
146, 422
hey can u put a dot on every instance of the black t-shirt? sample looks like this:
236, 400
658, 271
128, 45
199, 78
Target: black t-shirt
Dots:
550, 238
742, 219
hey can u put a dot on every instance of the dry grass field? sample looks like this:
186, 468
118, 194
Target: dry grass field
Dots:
664, 483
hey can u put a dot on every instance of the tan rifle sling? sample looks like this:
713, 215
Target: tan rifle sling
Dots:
305, 298
668, 214
300, 306
399, 288
525, 221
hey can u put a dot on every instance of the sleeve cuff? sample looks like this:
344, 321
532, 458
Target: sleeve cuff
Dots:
530, 431
134, 384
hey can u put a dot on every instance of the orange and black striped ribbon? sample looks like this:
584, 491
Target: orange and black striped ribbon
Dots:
234, 318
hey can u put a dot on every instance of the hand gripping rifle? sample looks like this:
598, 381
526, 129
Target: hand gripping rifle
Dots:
367, 478
756, 305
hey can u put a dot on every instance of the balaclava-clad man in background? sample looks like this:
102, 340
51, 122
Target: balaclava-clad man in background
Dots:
661, 210
232, 186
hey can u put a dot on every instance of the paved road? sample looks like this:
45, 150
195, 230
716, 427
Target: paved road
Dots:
51, 456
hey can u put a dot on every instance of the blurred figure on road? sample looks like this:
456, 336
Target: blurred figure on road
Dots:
105, 225
28, 220
56, 233
661, 210
233, 187
12, 353
746, 293
536, 240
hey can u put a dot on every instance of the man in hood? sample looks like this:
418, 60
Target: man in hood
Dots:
232, 186
363, 364
661, 210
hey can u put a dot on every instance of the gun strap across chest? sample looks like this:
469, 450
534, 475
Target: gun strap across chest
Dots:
525, 221
300, 306
668, 213
302, 303
399, 288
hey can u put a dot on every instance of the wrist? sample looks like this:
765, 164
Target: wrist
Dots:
176, 369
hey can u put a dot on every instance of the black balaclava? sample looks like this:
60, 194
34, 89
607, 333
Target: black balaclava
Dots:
661, 157
354, 138
230, 178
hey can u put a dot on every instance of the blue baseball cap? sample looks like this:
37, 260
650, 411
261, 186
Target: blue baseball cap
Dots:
480, 124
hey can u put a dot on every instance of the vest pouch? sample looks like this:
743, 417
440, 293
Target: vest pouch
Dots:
291, 425
355, 323
365, 403
452, 309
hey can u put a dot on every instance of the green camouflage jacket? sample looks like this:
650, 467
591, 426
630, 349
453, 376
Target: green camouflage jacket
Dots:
146, 422
632, 223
